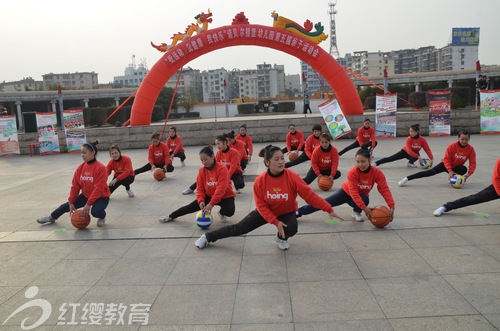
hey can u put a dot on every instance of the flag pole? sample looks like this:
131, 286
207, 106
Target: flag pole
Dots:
61, 108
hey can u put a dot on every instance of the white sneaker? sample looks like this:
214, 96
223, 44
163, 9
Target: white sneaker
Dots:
202, 242
165, 219
357, 216
403, 181
187, 191
282, 244
237, 191
45, 219
183, 164
438, 212
130, 193
411, 165
101, 222
223, 218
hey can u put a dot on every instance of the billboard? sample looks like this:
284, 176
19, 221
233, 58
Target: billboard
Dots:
465, 37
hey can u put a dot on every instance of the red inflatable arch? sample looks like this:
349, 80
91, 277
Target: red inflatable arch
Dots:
236, 35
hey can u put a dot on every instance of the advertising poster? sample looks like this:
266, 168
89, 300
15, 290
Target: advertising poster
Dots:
9, 143
74, 128
439, 113
490, 112
46, 124
385, 115
334, 118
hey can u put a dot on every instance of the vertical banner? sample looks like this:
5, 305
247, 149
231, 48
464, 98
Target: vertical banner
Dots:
46, 124
490, 112
74, 127
9, 143
334, 118
439, 113
385, 115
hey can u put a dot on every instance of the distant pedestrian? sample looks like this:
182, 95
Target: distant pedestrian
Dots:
307, 105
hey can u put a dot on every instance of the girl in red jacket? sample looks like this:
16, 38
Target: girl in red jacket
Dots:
411, 150
230, 157
275, 194
311, 143
158, 156
355, 191
246, 140
324, 161
456, 155
213, 188
295, 141
89, 189
240, 147
174, 143
122, 166
365, 139
491, 192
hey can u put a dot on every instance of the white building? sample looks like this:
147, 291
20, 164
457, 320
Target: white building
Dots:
23, 85
292, 84
247, 83
71, 81
191, 79
134, 75
213, 85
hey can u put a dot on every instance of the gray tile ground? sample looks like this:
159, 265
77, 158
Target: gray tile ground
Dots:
420, 273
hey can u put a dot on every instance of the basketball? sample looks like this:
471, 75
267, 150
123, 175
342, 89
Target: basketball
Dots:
203, 220
159, 174
324, 183
381, 216
79, 222
457, 181
292, 156
426, 163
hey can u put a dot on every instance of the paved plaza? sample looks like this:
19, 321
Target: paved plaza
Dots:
420, 273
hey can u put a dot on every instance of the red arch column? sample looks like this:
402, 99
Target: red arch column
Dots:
237, 35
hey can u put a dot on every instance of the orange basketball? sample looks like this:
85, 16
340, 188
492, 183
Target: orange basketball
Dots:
79, 222
292, 156
324, 183
381, 216
159, 174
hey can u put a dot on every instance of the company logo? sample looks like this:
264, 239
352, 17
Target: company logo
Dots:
87, 178
83, 314
460, 157
211, 184
277, 195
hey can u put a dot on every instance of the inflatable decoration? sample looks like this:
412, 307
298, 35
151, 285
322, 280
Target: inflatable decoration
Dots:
285, 35
284, 23
202, 18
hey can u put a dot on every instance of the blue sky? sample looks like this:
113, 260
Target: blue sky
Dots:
40, 37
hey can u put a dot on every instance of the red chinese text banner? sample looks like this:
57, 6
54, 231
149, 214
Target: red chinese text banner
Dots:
74, 127
439, 113
46, 124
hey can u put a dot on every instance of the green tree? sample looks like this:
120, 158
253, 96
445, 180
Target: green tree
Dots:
188, 100
164, 99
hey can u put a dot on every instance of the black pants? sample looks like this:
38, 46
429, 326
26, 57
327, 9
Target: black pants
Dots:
227, 207
126, 182
485, 195
180, 155
301, 158
237, 179
402, 154
307, 107
355, 144
311, 175
284, 150
251, 222
461, 170
98, 209
243, 163
148, 167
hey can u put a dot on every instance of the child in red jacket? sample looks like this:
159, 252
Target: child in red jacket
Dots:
324, 161
275, 194
355, 191
366, 138
246, 140
158, 156
174, 143
122, 166
492, 192
311, 143
89, 189
456, 155
213, 188
411, 150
